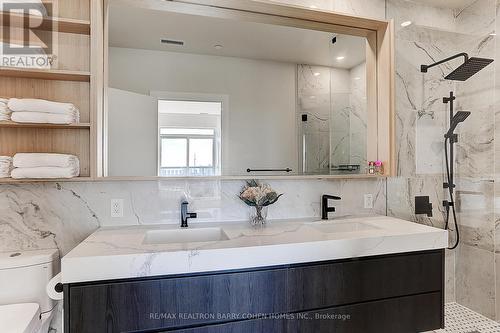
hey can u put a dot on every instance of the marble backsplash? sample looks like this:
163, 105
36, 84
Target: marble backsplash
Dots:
49, 215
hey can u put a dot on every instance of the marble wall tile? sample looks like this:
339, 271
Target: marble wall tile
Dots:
449, 273
476, 18
340, 141
419, 107
477, 94
420, 14
497, 284
372, 8
358, 118
475, 210
401, 193
475, 279
46, 215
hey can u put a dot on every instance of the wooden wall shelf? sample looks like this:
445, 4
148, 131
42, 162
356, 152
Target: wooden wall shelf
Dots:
77, 33
45, 74
38, 180
57, 24
10, 124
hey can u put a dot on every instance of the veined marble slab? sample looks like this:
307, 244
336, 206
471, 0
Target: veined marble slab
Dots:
118, 253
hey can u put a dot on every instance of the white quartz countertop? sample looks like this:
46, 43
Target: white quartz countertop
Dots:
118, 253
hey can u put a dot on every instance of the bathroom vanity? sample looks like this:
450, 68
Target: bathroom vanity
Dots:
370, 274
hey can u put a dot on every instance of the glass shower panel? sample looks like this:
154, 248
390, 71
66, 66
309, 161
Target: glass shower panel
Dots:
314, 103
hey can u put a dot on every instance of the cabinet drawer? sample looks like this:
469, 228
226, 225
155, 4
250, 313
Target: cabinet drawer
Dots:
410, 314
172, 302
327, 285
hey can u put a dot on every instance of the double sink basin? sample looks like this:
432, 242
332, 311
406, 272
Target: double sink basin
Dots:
214, 234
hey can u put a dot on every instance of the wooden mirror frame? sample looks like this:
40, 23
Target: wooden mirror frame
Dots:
379, 64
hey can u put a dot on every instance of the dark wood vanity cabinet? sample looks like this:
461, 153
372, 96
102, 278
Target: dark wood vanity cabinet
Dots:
392, 293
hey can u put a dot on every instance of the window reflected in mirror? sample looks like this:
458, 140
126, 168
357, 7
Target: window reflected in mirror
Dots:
189, 138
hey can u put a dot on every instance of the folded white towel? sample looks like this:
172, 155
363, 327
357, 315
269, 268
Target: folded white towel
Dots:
45, 172
5, 166
40, 105
33, 160
5, 159
4, 109
43, 118
5, 174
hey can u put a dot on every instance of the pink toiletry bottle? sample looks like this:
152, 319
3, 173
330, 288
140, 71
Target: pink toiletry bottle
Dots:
379, 168
371, 168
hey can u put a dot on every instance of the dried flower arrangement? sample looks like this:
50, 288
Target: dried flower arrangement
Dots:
258, 195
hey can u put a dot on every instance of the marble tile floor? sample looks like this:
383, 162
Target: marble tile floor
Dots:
459, 319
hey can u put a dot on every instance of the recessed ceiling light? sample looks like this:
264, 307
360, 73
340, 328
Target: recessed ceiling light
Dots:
313, 7
357, 78
341, 58
218, 47
493, 34
317, 74
406, 23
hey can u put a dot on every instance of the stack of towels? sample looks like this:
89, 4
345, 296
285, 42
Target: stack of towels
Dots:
4, 110
41, 165
5, 166
40, 111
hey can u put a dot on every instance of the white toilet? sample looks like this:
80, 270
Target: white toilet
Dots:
25, 306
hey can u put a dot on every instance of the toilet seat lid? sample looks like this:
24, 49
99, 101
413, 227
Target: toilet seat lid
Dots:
20, 318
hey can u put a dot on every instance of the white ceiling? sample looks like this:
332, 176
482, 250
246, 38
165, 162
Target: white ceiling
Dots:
455, 4
143, 29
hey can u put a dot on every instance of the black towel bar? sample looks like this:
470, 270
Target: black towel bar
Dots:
270, 170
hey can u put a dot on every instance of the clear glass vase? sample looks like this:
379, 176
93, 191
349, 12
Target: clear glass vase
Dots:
258, 215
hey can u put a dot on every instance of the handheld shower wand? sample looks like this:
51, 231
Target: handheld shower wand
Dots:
450, 138
459, 117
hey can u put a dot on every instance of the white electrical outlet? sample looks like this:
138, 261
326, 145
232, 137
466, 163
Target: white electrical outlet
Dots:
116, 207
368, 201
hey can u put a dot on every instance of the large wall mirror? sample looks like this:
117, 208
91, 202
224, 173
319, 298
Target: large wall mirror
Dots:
199, 95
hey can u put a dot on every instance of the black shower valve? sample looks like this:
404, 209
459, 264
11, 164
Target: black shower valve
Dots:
423, 206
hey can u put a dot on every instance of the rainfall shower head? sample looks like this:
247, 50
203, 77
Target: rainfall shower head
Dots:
470, 67
459, 117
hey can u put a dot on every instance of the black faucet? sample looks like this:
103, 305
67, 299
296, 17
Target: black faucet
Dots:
185, 215
324, 205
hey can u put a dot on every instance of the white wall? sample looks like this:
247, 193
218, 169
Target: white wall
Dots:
261, 115
133, 137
